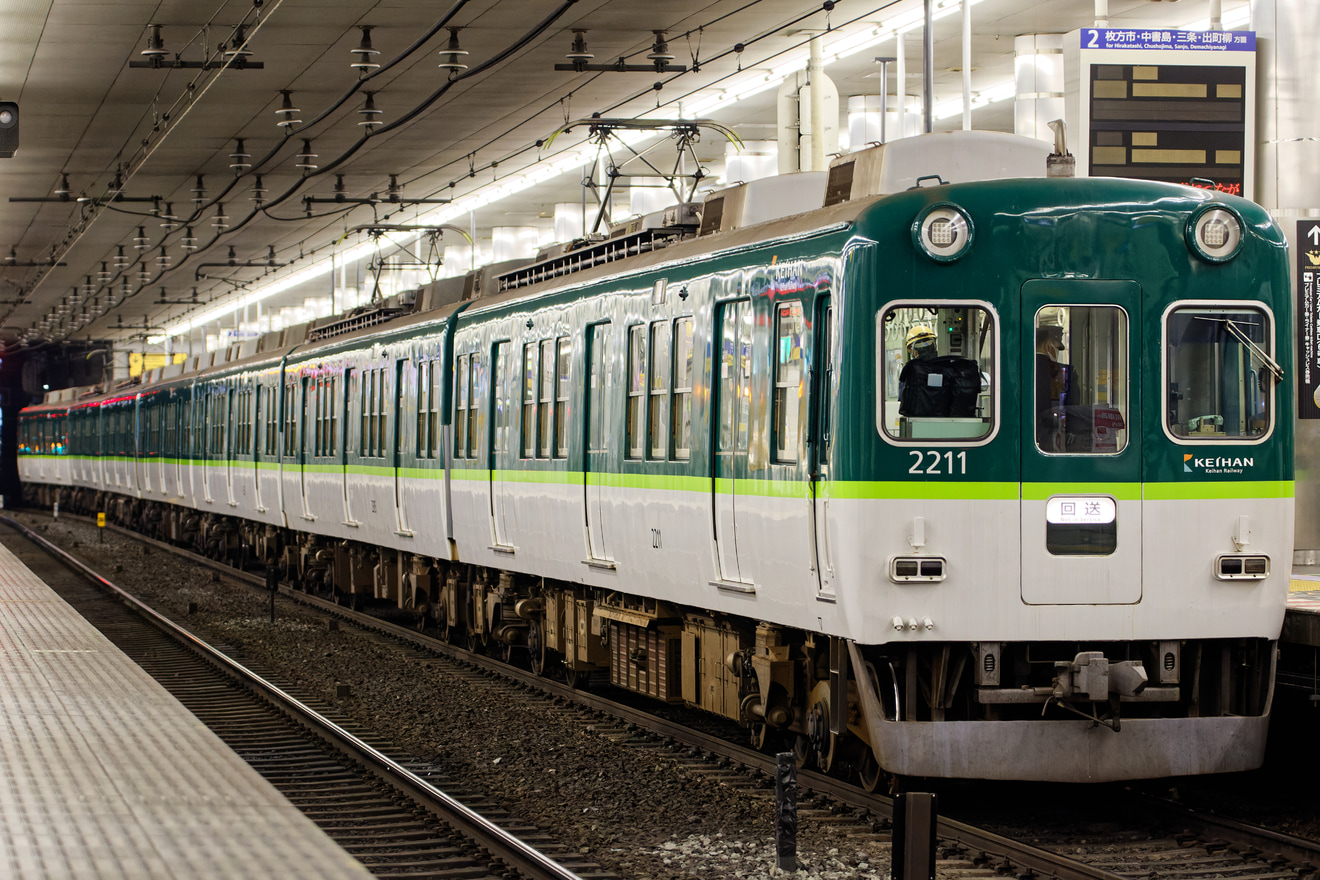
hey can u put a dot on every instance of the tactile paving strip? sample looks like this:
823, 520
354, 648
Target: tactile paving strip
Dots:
103, 774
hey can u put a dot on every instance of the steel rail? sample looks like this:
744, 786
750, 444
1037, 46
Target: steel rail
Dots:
503, 846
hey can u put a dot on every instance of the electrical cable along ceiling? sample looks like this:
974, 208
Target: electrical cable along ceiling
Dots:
264, 140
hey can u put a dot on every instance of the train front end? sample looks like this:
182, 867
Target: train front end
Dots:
1062, 470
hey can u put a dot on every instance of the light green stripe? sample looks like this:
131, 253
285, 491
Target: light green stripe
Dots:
1209, 491
866, 490
1044, 491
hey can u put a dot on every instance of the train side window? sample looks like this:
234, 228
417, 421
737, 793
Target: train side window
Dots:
683, 389
547, 397
423, 406
658, 407
291, 418
636, 389
735, 377
461, 373
502, 385
435, 373
476, 380
597, 440
1081, 380
563, 361
530, 351
935, 373
789, 397
1219, 373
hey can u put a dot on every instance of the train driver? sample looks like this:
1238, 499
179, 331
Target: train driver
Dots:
1049, 388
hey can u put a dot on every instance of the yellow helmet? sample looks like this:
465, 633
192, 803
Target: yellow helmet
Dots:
920, 338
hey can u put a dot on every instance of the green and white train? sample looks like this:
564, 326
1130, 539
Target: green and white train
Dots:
1054, 546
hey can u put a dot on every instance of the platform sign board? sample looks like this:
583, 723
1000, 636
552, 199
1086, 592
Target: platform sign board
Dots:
1169, 105
1308, 319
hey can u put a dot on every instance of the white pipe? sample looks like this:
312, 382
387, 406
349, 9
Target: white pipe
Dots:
1102, 13
1216, 15
928, 69
967, 64
815, 72
900, 87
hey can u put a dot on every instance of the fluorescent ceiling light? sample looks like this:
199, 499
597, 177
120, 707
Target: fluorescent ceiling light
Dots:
839, 43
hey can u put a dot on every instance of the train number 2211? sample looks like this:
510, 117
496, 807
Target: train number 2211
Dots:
935, 463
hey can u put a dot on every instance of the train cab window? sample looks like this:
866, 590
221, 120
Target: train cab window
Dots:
682, 389
936, 371
1219, 373
636, 389
789, 398
658, 402
1081, 382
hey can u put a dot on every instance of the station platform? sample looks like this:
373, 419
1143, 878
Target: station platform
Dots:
1301, 624
104, 774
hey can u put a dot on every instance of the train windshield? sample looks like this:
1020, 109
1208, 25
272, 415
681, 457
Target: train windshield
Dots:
1081, 380
1218, 373
937, 361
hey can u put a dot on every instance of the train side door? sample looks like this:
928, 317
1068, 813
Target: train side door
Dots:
304, 405
597, 446
230, 449
400, 440
818, 444
350, 385
731, 431
498, 447
1081, 454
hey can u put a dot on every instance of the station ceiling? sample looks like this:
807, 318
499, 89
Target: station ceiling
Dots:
133, 141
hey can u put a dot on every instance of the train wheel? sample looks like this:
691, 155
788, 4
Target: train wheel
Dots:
575, 679
870, 775
473, 642
536, 647
803, 754
821, 737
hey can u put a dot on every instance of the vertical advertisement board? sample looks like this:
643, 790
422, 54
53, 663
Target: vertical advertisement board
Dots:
1308, 323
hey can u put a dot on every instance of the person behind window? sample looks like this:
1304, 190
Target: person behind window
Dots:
1049, 388
931, 386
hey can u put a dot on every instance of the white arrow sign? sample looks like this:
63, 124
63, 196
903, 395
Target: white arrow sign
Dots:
1314, 235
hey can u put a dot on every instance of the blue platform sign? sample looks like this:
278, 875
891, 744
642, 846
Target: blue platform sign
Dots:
1149, 38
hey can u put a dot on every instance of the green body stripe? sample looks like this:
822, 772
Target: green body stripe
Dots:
1206, 491
1044, 491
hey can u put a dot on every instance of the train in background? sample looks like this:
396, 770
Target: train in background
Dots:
986, 475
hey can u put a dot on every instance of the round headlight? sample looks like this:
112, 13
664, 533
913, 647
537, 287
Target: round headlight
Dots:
1215, 233
942, 232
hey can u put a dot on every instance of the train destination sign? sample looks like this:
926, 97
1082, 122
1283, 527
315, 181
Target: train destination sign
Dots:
1308, 320
1068, 510
1205, 41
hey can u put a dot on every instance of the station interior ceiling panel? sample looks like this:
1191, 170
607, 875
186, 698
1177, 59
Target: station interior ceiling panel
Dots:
130, 115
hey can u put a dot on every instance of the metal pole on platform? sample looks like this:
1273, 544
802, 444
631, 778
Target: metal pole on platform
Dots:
914, 836
786, 813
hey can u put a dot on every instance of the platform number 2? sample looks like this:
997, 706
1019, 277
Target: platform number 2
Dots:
935, 463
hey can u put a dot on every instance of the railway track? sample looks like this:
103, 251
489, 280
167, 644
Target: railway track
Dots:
391, 816
1139, 837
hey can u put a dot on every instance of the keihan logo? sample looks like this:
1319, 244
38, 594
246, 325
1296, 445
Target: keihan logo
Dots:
1216, 465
